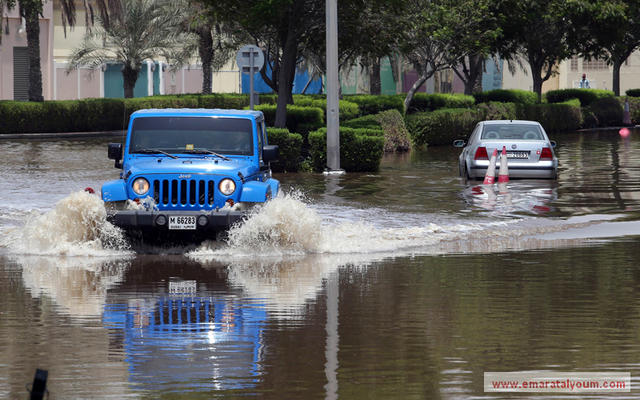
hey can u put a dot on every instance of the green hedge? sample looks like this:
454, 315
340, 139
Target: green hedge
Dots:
297, 116
603, 112
507, 96
633, 92
435, 101
586, 96
563, 117
372, 105
396, 135
289, 145
348, 110
90, 115
634, 108
368, 121
360, 149
442, 127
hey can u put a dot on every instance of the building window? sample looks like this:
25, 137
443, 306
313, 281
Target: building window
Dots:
574, 63
597, 65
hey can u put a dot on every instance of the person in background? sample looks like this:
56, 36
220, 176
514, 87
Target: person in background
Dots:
584, 83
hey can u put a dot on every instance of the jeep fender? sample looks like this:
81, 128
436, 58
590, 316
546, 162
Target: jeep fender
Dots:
114, 190
259, 192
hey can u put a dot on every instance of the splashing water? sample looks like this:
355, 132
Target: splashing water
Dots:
288, 226
76, 226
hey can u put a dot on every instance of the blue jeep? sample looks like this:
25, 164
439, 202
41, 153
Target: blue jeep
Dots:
189, 172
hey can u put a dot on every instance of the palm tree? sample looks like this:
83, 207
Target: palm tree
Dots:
148, 29
215, 42
31, 10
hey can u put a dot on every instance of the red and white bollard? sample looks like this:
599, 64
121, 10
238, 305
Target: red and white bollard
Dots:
503, 175
490, 176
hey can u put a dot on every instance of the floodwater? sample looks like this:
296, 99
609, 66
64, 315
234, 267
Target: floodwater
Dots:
405, 283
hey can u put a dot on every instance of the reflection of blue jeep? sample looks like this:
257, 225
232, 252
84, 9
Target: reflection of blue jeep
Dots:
190, 171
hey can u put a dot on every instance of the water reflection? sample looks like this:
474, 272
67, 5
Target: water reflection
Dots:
515, 198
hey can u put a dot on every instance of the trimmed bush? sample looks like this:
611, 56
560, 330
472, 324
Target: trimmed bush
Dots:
435, 101
496, 111
360, 149
633, 92
296, 116
372, 105
604, 112
396, 135
289, 145
348, 110
634, 108
368, 121
563, 117
586, 96
442, 127
507, 96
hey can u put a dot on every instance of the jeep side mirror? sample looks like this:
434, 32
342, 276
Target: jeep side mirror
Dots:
458, 143
115, 153
270, 153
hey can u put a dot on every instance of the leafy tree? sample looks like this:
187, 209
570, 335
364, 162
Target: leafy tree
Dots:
609, 30
283, 28
477, 45
214, 40
31, 10
537, 30
148, 29
433, 31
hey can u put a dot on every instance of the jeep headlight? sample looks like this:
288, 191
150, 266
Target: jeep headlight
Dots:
227, 186
140, 186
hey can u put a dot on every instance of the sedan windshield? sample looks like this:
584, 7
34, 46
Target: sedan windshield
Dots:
512, 132
192, 135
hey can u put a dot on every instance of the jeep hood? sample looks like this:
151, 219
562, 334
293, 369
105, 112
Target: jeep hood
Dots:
165, 165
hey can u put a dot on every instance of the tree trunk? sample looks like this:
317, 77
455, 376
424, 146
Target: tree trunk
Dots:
616, 77
130, 77
416, 86
205, 48
285, 80
32, 22
374, 78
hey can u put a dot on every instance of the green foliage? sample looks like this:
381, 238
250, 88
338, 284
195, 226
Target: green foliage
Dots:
348, 110
634, 108
442, 127
360, 149
633, 92
289, 145
396, 135
556, 117
497, 111
296, 116
507, 96
89, 115
368, 121
372, 105
435, 101
586, 96
606, 111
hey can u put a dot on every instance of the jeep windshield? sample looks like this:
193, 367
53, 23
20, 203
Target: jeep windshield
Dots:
192, 135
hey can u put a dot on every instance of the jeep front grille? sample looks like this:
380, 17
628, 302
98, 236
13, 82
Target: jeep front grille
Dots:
195, 192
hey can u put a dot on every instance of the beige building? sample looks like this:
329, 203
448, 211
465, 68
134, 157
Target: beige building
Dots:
56, 48
570, 72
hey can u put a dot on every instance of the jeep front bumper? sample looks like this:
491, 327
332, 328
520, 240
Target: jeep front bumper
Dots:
176, 221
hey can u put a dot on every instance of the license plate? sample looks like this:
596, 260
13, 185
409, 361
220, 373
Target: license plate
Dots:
517, 154
182, 223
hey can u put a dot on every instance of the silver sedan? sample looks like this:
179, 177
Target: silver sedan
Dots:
529, 151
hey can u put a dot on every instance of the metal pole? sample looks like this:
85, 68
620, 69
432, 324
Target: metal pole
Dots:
333, 339
333, 112
251, 78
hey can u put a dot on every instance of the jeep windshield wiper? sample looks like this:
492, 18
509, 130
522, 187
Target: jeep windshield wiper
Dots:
154, 151
213, 153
